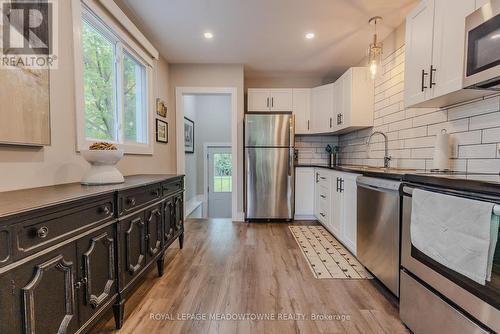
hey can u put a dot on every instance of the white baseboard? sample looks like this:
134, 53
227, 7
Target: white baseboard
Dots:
240, 217
304, 217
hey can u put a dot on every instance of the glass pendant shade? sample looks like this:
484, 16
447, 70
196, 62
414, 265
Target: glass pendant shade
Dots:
375, 53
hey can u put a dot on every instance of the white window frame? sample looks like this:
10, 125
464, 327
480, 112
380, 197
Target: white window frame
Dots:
108, 27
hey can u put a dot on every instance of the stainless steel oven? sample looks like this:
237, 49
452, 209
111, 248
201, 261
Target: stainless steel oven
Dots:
434, 298
482, 48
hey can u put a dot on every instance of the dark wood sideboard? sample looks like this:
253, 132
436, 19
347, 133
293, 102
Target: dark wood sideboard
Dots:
68, 253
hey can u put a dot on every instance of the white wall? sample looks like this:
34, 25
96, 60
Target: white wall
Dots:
191, 180
213, 75
22, 167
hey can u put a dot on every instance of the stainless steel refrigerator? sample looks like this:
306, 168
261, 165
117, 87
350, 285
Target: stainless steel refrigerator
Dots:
269, 166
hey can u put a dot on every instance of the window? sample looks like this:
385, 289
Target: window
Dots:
223, 172
116, 87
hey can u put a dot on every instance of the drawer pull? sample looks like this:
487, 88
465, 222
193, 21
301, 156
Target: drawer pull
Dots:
42, 232
322, 214
322, 196
155, 193
131, 201
105, 210
322, 177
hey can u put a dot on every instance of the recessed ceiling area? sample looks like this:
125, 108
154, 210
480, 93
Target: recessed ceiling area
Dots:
268, 36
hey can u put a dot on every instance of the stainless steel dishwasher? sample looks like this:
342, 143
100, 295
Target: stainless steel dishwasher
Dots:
378, 229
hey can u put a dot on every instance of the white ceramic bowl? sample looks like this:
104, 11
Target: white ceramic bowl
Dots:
102, 167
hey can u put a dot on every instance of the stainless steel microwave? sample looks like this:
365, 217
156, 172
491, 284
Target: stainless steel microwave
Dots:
482, 48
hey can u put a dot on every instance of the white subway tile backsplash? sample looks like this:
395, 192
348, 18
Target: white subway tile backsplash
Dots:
485, 121
491, 135
432, 118
483, 166
413, 132
420, 142
477, 151
475, 108
422, 153
460, 125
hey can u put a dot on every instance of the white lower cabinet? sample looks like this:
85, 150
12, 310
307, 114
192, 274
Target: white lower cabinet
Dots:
335, 204
304, 190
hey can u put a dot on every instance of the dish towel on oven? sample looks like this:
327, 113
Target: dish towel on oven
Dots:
458, 233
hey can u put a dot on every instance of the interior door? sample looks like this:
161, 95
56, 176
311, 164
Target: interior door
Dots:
220, 187
419, 37
448, 47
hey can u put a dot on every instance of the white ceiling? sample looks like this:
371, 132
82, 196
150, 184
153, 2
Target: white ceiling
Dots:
267, 36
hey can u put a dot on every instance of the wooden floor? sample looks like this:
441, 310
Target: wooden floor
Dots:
231, 269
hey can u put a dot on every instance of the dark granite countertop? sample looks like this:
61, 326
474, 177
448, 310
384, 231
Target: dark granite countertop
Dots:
473, 182
461, 181
19, 201
384, 173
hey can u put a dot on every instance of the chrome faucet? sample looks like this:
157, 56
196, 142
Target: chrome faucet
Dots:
387, 158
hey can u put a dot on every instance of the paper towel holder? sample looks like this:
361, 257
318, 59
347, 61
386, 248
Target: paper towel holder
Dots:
443, 170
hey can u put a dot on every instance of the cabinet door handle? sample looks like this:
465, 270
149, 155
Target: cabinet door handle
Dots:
272, 102
307, 124
423, 80
330, 122
341, 119
267, 102
341, 185
431, 82
317, 176
322, 177
337, 185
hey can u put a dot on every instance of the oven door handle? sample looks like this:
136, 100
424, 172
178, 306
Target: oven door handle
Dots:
407, 191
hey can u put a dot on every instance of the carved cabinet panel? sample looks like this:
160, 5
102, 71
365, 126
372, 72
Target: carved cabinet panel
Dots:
179, 212
39, 296
154, 222
133, 247
168, 220
97, 282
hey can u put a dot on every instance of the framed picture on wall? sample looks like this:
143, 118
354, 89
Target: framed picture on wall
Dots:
161, 107
188, 135
161, 131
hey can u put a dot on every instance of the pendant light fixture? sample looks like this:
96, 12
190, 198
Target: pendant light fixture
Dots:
375, 51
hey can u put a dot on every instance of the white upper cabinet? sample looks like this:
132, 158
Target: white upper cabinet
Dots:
281, 99
354, 110
448, 47
269, 99
435, 42
322, 105
301, 108
419, 31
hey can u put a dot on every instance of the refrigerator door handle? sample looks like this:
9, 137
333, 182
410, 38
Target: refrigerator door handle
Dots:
292, 131
290, 161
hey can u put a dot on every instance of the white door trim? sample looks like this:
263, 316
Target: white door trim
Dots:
179, 130
206, 146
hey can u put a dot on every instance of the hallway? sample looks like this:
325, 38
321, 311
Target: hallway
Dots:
250, 269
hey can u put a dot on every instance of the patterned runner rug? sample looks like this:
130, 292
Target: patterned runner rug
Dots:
326, 256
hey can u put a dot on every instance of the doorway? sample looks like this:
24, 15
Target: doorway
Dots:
207, 136
219, 188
